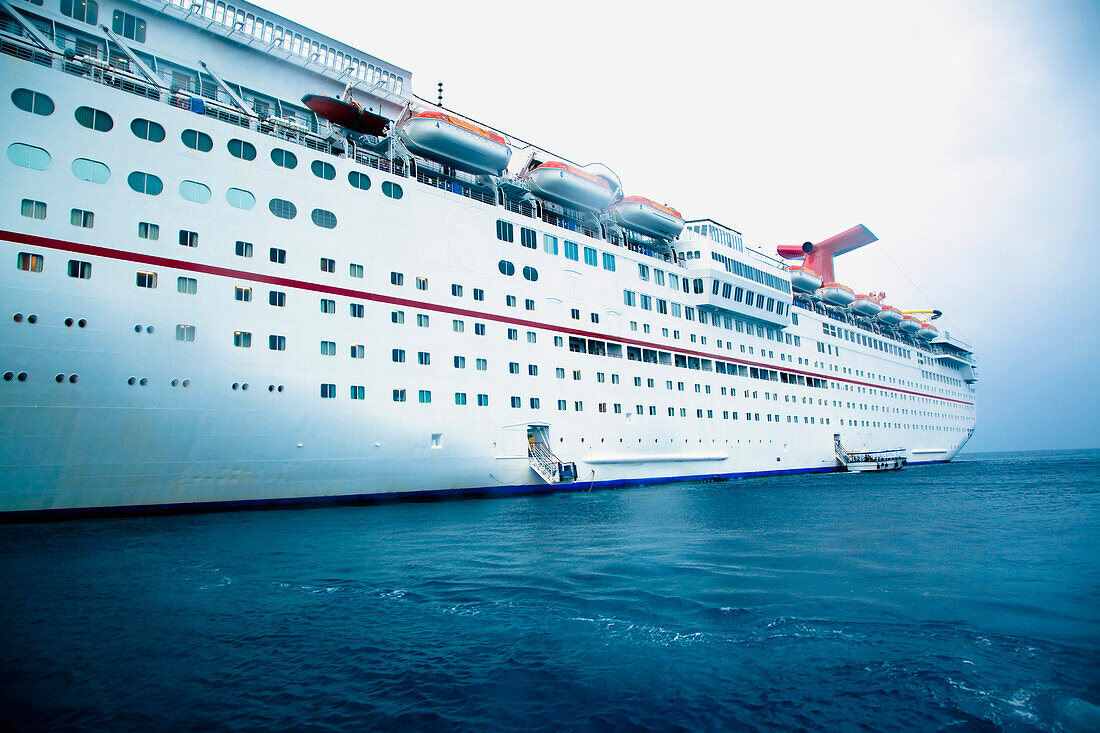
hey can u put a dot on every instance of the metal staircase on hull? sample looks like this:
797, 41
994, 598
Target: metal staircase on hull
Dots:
549, 467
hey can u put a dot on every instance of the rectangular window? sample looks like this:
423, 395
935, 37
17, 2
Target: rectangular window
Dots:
628, 297
609, 262
31, 262
504, 231
534, 403
578, 406
328, 264
528, 238
479, 294
397, 317
422, 320
531, 337
187, 285
479, 329
658, 276
481, 365
33, 209
571, 250
355, 270
483, 400
241, 249
550, 244
185, 332
590, 256
460, 362
532, 370
276, 342
357, 351
356, 310
456, 290
242, 293
398, 355
81, 218
147, 230
397, 278
562, 405
242, 339
458, 326
328, 305
645, 301
399, 395
529, 304
516, 401
421, 283
328, 348
146, 279
662, 305
513, 334
80, 269
276, 255
643, 271
188, 239
358, 392
276, 298
513, 367
460, 398
510, 301
423, 358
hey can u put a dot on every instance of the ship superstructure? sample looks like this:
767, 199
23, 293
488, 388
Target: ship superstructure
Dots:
213, 295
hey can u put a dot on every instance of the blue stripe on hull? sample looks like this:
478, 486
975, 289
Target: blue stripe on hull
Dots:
482, 492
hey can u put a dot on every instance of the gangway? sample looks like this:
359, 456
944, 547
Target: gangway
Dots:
548, 466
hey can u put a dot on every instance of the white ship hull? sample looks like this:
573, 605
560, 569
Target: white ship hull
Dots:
187, 433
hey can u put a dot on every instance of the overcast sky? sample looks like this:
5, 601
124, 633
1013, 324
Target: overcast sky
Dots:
966, 135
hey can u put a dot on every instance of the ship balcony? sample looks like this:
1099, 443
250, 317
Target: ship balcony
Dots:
951, 355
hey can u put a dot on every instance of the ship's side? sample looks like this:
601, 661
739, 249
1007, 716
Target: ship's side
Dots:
188, 319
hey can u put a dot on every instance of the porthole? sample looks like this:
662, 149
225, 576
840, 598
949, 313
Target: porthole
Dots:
131, 381
145, 183
197, 140
238, 198
530, 273
175, 382
195, 191
68, 322
241, 149
137, 328
271, 388
148, 329
73, 378
31, 101
323, 170
8, 376
28, 156
506, 267
279, 388
324, 219
32, 318
359, 180
187, 383
82, 323
143, 381
94, 119
282, 208
18, 318
21, 376
391, 189
91, 170
147, 130
59, 378
236, 386
244, 387
284, 158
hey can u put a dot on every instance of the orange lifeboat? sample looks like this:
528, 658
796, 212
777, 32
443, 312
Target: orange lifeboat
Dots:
570, 185
927, 332
908, 324
456, 142
890, 315
803, 278
649, 217
836, 294
865, 305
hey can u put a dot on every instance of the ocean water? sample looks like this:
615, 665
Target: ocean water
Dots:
953, 597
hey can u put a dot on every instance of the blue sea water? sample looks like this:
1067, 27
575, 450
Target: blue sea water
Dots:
963, 596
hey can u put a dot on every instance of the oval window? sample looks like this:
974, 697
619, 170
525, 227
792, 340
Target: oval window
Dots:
31, 101
197, 140
359, 180
392, 190
506, 267
324, 170
145, 183
284, 158
91, 170
241, 149
147, 130
94, 119
324, 219
28, 156
238, 198
195, 191
282, 208
531, 273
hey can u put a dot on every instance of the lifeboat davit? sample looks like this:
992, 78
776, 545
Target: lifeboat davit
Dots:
890, 315
908, 324
803, 278
456, 142
649, 217
927, 332
836, 294
346, 114
569, 185
865, 305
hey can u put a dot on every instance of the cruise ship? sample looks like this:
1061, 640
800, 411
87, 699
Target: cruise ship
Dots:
242, 264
